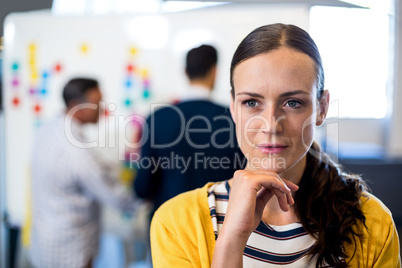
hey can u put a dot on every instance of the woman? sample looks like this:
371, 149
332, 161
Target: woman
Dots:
291, 206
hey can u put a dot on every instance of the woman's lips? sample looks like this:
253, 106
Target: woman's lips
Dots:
271, 148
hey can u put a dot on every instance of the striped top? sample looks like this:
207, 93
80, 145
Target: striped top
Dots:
268, 245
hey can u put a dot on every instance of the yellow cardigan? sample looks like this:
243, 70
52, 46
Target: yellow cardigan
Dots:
182, 234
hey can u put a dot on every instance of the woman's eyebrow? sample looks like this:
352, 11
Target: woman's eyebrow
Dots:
285, 94
296, 92
251, 94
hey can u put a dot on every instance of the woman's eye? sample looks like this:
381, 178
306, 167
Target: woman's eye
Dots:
251, 103
293, 104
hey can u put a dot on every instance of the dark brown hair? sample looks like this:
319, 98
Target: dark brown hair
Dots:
328, 200
76, 88
200, 60
328, 206
270, 37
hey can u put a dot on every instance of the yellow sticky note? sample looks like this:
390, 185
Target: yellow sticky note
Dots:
127, 175
144, 73
32, 62
84, 48
32, 47
133, 51
34, 76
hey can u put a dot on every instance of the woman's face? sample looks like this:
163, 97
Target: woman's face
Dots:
275, 109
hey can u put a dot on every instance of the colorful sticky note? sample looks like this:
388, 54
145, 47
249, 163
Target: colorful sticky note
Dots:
15, 82
126, 176
133, 51
146, 94
32, 47
16, 101
37, 108
57, 68
127, 102
34, 76
14, 66
130, 68
146, 83
129, 83
144, 73
84, 48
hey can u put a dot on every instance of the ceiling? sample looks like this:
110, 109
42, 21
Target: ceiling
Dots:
313, 2
27, 5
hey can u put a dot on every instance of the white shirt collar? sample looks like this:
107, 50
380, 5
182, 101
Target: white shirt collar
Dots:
196, 92
75, 126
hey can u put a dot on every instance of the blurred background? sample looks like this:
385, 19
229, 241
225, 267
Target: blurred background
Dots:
136, 50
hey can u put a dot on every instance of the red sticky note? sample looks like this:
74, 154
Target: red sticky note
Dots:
16, 101
37, 108
58, 68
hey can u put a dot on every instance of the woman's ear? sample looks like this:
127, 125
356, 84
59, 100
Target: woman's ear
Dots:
323, 109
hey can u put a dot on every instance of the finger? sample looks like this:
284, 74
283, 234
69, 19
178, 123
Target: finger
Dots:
282, 200
293, 187
290, 199
274, 182
265, 195
289, 184
288, 195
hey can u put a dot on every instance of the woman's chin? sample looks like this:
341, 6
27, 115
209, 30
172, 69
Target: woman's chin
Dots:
278, 164
274, 169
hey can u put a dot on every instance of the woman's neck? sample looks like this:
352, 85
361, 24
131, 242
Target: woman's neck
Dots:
295, 172
272, 213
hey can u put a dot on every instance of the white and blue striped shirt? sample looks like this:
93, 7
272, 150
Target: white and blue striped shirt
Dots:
268, 245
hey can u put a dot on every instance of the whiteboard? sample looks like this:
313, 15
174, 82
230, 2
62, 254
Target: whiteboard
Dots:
138, 60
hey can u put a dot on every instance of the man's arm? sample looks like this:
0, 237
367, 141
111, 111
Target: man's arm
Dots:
102, 187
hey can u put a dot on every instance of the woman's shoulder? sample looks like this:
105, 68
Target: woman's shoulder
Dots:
378, 245
375, 210
186, 205
181, 231
379, 224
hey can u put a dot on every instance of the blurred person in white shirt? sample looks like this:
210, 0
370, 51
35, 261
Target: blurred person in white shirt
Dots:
69, 184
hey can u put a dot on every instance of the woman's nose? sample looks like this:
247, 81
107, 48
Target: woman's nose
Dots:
272, 120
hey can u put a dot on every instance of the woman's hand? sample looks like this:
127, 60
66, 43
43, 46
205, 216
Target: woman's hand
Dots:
250, 192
